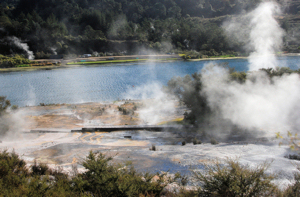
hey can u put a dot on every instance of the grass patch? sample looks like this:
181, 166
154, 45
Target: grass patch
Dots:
23, 65
222, 56
175, 121
118, 61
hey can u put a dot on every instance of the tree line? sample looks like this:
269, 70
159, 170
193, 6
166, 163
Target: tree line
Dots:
119, 26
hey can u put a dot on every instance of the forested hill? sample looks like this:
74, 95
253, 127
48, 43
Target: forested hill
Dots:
123, 26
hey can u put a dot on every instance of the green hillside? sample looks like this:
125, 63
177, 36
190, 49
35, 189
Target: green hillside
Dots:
128, 27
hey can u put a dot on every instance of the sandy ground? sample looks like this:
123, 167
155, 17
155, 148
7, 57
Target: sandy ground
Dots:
70, 116
66, 149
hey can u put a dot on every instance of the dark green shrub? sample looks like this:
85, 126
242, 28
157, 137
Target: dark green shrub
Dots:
183, 143
103, 179
238, 76
14, 107
13, 174
8, 62
196, 141
10, 163
213, 141
153, 148
4, 104
234, 179
39, 169
293, 157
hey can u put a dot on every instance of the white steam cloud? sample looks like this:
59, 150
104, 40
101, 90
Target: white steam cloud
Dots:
160, 105
23, 46
53, 50
259, 103
261, 34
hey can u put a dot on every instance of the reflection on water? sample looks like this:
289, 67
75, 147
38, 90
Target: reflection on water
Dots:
100, 83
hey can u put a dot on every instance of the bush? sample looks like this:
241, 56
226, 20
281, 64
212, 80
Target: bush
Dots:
8, 62
183, 143
153, 148
294, 190
196, 141
293, 157
39, 169
102, 179
234, 179
13, 173
213, 141
14, 107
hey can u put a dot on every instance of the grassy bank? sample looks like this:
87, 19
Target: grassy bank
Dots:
216, 58
119, 61
20, 63
29, 68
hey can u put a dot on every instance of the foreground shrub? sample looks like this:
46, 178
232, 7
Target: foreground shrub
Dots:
15, 179
213, 141
293, 190
293, 157
196, 141
102, 179
234, 179
39, 169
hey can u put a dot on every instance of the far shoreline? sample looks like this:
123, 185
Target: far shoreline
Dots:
102, 61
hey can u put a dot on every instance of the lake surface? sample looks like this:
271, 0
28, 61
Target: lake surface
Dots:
103, 82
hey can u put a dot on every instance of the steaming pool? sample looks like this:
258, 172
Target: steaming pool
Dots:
99, 83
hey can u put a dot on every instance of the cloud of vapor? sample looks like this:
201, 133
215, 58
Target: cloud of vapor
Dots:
31, 97
271, 105
53, 50
160, 105
260, 32
117, 26
16, 41
12, 123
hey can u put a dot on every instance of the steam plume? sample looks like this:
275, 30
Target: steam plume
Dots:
53, 50
261, 32
153, 109
23, 46
259, 103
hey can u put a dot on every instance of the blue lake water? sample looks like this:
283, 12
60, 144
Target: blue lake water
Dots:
101, 83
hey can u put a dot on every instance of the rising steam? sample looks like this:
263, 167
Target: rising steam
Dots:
259, 103
16, 41
261, 34
271, 105
160, 105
